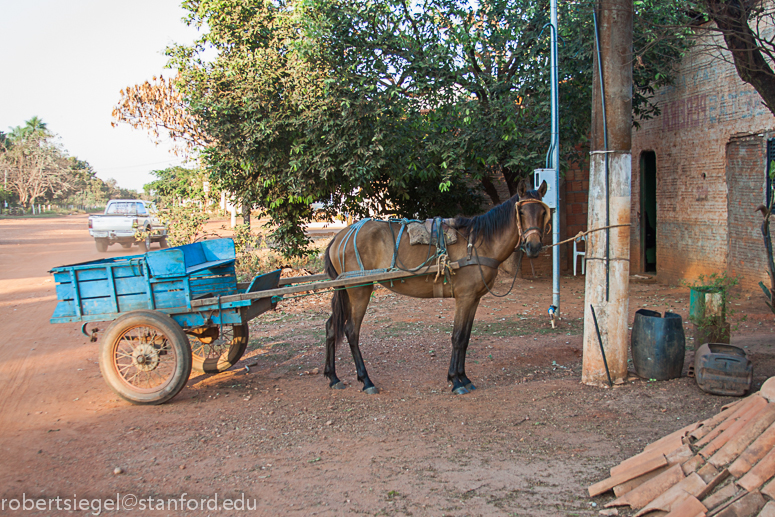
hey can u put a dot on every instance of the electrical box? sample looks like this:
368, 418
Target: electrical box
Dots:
552, 197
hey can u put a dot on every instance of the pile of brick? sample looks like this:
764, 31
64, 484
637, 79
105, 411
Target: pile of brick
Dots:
720, 467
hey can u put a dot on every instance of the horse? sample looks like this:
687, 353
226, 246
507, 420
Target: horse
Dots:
470, 267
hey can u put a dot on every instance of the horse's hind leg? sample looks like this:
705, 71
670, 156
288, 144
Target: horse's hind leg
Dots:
330, 368
359, 301
465, 310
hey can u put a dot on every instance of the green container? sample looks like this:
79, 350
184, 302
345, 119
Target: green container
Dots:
700, 303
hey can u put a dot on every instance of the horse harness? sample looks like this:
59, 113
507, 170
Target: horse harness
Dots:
438, 241
547, 226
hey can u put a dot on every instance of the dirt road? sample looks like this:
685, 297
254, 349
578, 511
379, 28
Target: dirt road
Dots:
527, 442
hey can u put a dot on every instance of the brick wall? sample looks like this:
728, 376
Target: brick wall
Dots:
703, 110
746, 258
575, 201
573, 219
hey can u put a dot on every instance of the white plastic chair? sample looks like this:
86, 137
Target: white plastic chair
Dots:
582, 254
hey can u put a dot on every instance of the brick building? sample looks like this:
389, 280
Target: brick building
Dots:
698, 172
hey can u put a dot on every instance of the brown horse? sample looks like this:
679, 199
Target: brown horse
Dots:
483, 243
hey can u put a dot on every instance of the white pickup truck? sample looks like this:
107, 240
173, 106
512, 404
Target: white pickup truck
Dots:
122, 220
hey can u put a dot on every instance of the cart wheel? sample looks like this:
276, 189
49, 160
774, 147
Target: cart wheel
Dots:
213, 353
163, 243
102, 245
145, 357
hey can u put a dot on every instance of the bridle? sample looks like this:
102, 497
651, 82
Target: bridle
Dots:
542, 232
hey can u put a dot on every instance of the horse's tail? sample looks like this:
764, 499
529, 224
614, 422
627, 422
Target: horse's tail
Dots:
340, 302
328, 266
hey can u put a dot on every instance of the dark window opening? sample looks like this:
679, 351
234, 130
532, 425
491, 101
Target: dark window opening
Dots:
648, 210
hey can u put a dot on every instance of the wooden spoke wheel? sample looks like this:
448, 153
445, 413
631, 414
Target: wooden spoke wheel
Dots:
214, 353
145, 357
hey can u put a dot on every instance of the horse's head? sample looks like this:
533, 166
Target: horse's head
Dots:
534, 218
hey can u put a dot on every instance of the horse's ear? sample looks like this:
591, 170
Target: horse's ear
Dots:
522, 188
543, 188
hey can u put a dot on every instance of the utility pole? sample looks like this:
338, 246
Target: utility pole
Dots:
610, 170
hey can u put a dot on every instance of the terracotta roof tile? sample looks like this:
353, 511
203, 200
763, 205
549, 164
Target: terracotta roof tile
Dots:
719, 467
627, 486
651, 489
759, 404
760, 473
690, 507
756, 451
746, 434
689, 486
768, 510
634, 471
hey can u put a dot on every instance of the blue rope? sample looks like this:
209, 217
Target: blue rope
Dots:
398, 242
351, 232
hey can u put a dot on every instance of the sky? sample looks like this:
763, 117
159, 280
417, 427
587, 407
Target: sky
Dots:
65, 62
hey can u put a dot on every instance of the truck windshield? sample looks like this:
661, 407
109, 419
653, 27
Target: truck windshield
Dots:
122, 209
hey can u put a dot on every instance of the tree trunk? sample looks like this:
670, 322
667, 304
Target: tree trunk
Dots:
491, 191
512, 180
246, 206
732, 19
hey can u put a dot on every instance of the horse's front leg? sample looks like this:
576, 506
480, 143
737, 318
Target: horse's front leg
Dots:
359, 301
465, 310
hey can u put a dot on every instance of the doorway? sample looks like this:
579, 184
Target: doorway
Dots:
648, 211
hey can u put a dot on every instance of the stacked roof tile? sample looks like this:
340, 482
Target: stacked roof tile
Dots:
723, 466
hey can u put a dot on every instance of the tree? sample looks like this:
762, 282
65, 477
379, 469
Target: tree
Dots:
33, 164
182, 201
410, 108
159, 108
746, 26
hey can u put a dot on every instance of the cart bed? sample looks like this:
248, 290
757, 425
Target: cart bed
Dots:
166, 280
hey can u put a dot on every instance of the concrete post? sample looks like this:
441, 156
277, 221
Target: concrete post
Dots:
610, 169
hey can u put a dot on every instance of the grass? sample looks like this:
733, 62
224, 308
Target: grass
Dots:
527, 327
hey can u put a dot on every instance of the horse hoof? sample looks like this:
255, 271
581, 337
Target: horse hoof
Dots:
470, 386
371, 391
460, 391
338, 386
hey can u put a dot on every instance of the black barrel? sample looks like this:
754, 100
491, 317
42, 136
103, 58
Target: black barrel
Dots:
658, 345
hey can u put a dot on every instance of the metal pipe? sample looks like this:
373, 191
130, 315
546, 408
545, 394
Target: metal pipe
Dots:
605, 148
555, 161
602, 350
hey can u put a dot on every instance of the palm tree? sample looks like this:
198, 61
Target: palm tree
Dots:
36, 127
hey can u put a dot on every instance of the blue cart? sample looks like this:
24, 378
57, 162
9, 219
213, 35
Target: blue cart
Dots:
145, 354
157, 300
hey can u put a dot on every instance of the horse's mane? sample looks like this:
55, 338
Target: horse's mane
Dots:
493, 223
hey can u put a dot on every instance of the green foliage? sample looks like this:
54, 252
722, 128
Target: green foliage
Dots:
245, 240
414, 109
713, 283
722, 284
180, 198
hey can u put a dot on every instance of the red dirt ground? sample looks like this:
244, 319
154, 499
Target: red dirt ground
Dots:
527, 442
